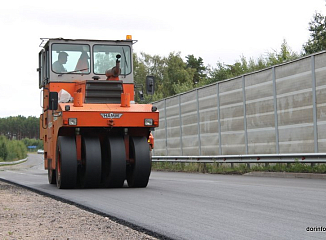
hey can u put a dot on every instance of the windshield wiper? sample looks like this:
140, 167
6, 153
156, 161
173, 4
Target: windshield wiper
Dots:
126, 64
79, 70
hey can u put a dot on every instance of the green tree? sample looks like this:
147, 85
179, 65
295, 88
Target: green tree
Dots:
178, 78
221, 72
171, 74
317, 29
3, 148
147, 65
103, 62
200, 69
285, 54
3, 126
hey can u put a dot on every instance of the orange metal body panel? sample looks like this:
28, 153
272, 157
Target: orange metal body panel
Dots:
90, 114
129, 88
73, 87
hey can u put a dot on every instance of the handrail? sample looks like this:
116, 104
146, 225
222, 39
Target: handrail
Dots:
250, 158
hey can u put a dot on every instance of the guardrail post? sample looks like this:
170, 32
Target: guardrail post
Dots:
219, 119
180, 122
244, 113
275, 111
217, 165
204, 170
314, 102
166, 129
198, 122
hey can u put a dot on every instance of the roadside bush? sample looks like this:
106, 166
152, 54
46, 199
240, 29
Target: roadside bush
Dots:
33, 142
12, 149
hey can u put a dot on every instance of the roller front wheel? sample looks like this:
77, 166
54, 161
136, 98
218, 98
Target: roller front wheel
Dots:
139, 169
66, 163
91, 162
115, 163
51, 176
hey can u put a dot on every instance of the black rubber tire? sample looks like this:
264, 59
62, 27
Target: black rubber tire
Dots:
91, 162
138, 172
114, 163
66, 163
52, 176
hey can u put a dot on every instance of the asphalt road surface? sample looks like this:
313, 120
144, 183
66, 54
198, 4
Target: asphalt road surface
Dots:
201, 206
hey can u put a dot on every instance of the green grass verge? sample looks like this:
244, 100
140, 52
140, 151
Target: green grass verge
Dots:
218, 168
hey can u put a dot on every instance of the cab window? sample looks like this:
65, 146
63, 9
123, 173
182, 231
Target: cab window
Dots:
105, 57
70, 58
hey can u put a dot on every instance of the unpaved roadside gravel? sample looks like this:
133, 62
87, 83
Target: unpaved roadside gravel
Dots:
27, 215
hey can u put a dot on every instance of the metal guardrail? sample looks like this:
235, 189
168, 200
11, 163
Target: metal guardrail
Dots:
12, 163
254, 158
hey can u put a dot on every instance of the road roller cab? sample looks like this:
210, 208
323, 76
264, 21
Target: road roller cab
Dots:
94, 133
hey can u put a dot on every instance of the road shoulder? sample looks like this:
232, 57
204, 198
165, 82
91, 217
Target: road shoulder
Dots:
26, 214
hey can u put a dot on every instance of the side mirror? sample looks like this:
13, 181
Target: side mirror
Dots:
150, 85
53, 101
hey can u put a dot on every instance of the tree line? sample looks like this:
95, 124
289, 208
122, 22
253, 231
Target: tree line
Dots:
173, 75
19, 127
16, 134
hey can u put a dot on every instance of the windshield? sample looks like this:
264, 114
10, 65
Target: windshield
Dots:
105, 57
70, 58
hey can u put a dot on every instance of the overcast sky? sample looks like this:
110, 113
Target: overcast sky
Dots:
214, 30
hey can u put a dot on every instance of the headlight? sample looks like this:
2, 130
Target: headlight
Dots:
72, 121
148, 122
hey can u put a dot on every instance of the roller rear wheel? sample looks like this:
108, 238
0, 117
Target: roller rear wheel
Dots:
66, 163
114, 163
139, 170
91, 162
